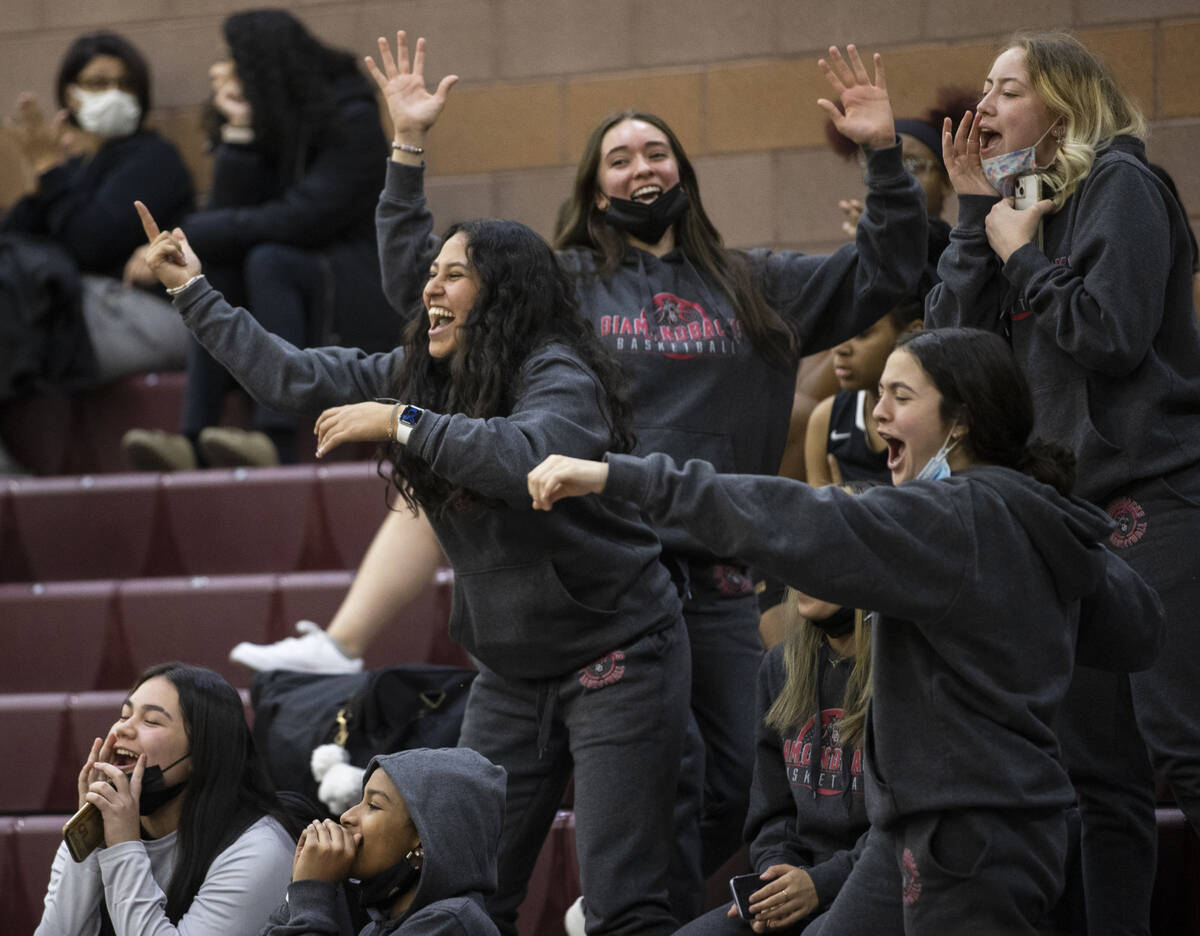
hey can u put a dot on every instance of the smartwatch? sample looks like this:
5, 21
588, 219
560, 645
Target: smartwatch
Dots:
406, 421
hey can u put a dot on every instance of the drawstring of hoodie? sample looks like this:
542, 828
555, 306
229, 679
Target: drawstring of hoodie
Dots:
547, 705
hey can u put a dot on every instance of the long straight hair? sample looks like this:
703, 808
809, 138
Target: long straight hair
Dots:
797, 701
228, 789
582, 224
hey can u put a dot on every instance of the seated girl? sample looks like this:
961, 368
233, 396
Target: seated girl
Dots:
843, 442
420, 848
808, 818
195, 841
988, 583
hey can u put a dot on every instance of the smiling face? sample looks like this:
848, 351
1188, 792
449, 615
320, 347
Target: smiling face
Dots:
636, 163
387, 830
909, 418
450, 295
857, 363
151, 723
1011, 114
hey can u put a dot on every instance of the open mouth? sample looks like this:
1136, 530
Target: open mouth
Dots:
988, 141
123, 759
895, 449
647, 194
439, 318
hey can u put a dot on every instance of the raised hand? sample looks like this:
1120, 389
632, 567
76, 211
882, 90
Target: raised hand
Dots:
44, 143
100, 751
866, 115
168, 254
412, 108
355, 422
559, 476
118, 798
960, 150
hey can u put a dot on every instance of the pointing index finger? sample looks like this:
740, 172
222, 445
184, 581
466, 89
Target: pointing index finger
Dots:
149, 225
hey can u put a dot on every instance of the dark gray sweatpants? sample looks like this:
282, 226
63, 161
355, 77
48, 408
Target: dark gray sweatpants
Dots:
620, 723
984, 872
1117, 730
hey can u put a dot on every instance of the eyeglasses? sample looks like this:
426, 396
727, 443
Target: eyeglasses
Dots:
105, 82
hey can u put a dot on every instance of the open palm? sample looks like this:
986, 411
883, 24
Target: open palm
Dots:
411, 106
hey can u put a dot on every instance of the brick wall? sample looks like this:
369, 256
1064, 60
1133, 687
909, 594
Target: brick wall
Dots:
737, 79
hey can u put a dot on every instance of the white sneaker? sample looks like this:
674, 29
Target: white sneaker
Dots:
573, 919
315, 652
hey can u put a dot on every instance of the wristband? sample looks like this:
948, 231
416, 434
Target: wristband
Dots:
173, 291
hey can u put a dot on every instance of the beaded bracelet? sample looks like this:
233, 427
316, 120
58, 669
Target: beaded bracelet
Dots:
408, 148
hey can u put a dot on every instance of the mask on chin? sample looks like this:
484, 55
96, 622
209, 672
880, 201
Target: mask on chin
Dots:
155, 793
381, 891
1002, 170
111, 113
938, 467
648, 223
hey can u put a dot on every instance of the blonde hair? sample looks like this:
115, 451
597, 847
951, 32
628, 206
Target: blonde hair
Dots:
1078, 90
797, 702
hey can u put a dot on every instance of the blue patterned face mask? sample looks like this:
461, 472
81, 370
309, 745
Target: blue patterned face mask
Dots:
1002, 170
937, 467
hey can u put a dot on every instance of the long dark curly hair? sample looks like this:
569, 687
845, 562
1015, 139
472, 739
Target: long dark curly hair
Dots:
525, 302
287, 75
582, 224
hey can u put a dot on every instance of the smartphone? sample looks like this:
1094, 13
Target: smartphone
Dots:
84, 832
742, 886
1027, 191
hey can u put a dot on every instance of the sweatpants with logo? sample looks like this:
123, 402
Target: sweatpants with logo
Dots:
984, 872
620, 723
1117, 729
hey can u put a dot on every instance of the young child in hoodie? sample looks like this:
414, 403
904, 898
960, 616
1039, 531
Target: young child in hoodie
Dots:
419, 851
808, 819
988, 583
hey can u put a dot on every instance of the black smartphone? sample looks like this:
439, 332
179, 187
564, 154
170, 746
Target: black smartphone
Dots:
742, 886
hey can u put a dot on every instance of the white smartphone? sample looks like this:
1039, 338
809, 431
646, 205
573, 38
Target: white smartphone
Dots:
1027, 192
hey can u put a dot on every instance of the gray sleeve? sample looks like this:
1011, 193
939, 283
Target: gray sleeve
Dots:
404, 230
829, 299
829, 876
243, 885
310, 908
971, 291
276, 373
863, 551
72, 904
560, 409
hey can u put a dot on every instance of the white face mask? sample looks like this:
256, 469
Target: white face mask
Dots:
109, 113
937, 467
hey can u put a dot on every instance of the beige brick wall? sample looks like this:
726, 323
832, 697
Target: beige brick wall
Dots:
737, 79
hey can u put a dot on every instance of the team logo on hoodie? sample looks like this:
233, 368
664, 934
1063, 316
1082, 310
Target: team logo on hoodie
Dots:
604, 672
1131, 522
816, 761
675, 327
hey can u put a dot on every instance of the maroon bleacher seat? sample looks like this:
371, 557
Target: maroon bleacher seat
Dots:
14, 567
310, 596
30, 843
239, 520
352, 497
61, 636
1176, 906
197, 619
42, 433
84, 527
32, 726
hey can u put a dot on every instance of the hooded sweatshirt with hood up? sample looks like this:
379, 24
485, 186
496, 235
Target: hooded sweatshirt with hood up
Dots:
988, 584
455, 797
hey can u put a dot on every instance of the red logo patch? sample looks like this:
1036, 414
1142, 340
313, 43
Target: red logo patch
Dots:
1131, 522
604, 672
910, 878
732, 580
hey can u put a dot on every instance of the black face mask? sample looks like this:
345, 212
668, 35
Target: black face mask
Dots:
648, 223
838, 624
382, 890
155, 793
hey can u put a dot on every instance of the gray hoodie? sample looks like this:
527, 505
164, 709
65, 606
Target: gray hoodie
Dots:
988, 584
455, 797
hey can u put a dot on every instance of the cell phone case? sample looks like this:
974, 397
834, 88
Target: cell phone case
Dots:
84, 832
742, 886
